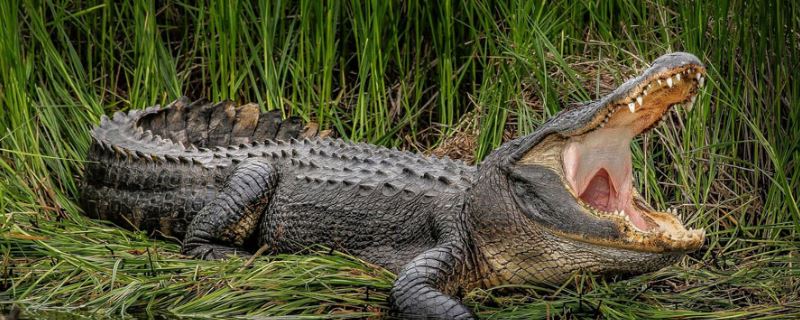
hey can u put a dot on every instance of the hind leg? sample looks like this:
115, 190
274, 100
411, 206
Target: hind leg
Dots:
222, 226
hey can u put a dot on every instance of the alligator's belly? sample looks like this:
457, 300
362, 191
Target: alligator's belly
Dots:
384, 229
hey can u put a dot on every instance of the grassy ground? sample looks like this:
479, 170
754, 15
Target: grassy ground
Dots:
445, 77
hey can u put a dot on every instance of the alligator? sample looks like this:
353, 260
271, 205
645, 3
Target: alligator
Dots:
227, 180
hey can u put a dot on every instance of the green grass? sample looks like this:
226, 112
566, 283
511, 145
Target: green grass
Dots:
410, 74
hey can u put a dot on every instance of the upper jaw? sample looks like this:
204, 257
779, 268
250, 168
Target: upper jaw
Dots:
669, 72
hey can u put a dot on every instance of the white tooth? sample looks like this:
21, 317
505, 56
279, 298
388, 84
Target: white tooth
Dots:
632, 107
702, 81
659, 82
698, 76
678, 77
669, 82
645, 92
602, 124
640, 100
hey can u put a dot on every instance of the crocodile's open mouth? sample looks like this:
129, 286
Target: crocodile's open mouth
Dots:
597, 163
594, 160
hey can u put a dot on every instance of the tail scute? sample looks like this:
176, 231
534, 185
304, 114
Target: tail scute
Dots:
200, 124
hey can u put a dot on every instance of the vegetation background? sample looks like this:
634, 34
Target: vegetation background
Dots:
441, 77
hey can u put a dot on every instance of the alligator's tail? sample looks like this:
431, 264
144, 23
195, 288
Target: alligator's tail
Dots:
142, 171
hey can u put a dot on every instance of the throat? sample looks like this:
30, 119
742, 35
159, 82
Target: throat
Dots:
509, 263
600, 193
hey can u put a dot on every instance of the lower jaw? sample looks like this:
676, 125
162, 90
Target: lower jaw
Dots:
510, 267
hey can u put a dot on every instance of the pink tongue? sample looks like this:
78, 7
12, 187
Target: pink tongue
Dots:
636, 218
599, 191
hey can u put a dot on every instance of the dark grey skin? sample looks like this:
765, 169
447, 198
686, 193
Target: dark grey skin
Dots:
227, 180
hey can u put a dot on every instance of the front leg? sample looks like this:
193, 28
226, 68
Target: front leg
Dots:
422, 287
222, 226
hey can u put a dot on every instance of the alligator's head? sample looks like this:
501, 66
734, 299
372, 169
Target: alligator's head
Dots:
564, 196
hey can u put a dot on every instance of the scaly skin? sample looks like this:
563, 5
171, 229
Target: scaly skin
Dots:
227, 180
